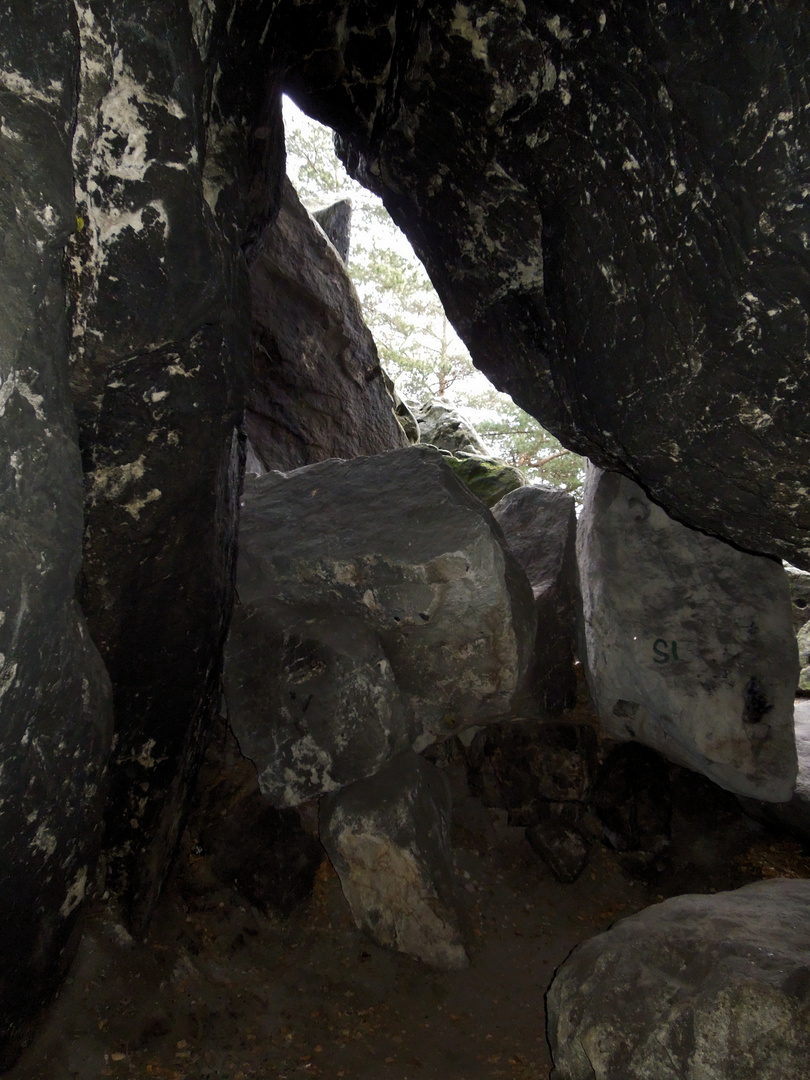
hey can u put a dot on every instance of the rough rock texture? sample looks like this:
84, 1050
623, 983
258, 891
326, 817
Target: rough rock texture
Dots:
561, 839
442, 425
688, 643
803, 641
611, 201
336, 222
169, 184
632, 799
397, 543
316, 387
697, 988
313, 702
522, 765
387, 838
487, 478
55, 707
540, 527
793, 815
799, 581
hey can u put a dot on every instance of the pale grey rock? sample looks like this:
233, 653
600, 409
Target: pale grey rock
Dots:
793, 815
540, 527
398, 544
799, 581
803, 641
697, 988
312, 702
442, 425
387, 838
688, 643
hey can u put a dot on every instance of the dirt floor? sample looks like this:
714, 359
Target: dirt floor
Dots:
223, 990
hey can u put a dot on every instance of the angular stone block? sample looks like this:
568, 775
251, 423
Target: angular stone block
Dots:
688, 643
388, 840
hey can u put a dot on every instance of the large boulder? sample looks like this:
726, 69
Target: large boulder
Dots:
611, 202
488, 478
388, 839
396, 543
688, 642
540, 527
316, 389
794, 814
55, 702
697, 988
443, 426
313, 701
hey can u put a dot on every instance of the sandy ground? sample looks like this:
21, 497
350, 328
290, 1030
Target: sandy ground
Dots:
223, 990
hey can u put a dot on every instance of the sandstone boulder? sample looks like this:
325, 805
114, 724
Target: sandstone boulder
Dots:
488, 478
688, 643
387, 838
540, 527
443, 426
396, 543
336, 222
793, 815
315, 386
803, 641
697, 988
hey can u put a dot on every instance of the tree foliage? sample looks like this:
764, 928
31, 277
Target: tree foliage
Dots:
417, 344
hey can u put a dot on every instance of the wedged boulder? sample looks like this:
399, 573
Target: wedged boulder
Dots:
336, 222
488, 478
697, 988
397, 543
540, 527
315, 386
803, 641
443, 426
312, 701
562, 839
388, 839
799, 581
688, 643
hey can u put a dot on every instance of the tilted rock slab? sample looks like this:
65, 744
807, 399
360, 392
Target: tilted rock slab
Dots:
540, 527
315, 386
688, 642
398, 544
697, 988
387, 838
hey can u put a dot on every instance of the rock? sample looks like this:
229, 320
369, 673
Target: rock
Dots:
560, 839
794, 814
312, 701
799, 581
521, 765
687, 642
387, 838
716, 987
443, 426
803, 641
574, 195
396, 543
336, 222
316, 389
632, 799
540, 527
55, 701
487, 478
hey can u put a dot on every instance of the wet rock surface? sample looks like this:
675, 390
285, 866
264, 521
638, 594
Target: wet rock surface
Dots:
388, 839
420, 565
540, 527
315, 388
711, 986
687, 642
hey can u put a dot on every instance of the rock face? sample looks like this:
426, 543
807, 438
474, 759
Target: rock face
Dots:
487, 478
316, 389
443, 426
388, 840
336, 222
793, 815
688, 643
55, 707
313, 702
715, 987
803, 641
396, 543
630, 299
540, 527
799, 595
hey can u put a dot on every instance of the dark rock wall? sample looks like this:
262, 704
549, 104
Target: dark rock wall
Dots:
55, 728
611, 199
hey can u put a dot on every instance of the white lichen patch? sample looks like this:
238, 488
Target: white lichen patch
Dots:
44, 841
109, 481
17, 84
463, 27
15, 382
75, 893
134, 507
